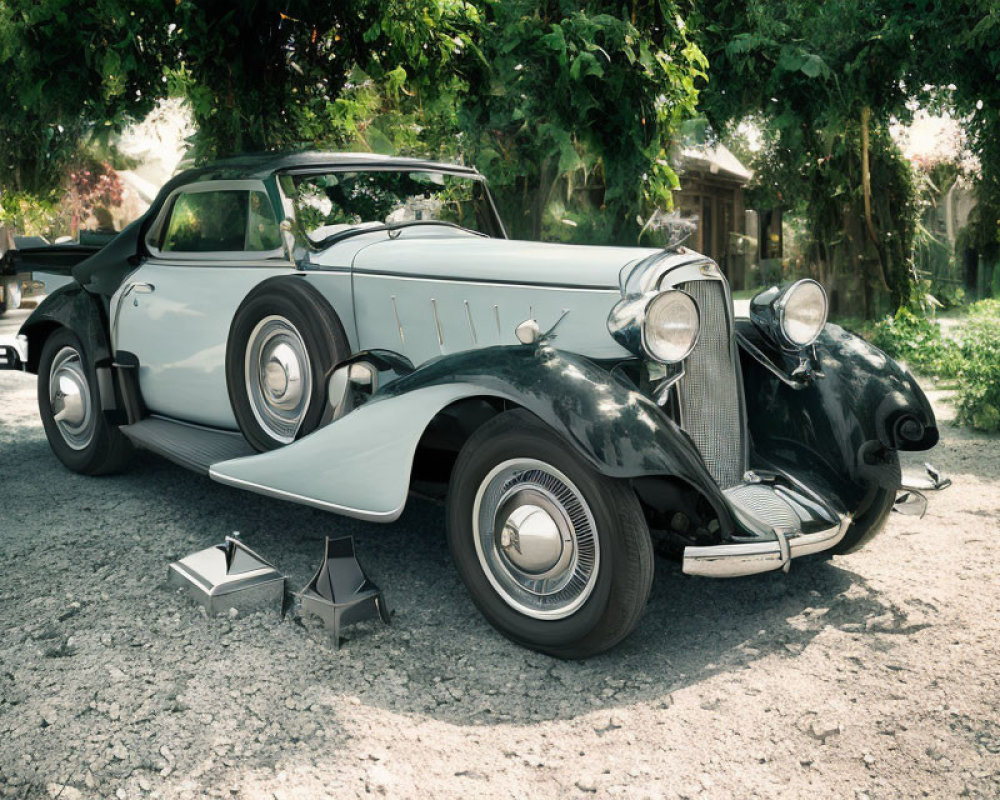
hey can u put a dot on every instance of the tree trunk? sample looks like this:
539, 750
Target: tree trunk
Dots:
866, 188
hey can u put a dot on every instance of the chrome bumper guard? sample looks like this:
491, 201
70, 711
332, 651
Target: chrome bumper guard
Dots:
910, 498
13, 352
751, 558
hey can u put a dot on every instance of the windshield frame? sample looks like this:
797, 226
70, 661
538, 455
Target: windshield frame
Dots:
288, 203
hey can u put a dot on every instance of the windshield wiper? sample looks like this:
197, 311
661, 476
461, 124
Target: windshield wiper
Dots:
390, 228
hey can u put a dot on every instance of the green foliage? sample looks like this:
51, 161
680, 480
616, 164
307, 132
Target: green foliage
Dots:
273, 74
978, 398
917, 341
810, 73
562, 98
29, 214
66, 67
972, 360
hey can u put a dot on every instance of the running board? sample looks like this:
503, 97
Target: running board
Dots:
190, 446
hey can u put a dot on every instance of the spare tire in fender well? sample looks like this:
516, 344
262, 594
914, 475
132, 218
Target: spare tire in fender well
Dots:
315, 338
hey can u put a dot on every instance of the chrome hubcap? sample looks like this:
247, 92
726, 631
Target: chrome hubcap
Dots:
69, 399
536, 539
278, 377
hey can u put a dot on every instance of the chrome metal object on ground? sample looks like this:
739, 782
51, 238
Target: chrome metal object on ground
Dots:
229, 575
536, 539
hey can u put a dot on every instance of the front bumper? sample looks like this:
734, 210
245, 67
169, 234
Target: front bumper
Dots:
751, 558
780, 543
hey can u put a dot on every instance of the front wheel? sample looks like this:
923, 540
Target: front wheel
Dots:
70, 408
556, 556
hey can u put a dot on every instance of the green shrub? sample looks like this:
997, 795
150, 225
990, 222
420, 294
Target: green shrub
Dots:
917, 341
978, 398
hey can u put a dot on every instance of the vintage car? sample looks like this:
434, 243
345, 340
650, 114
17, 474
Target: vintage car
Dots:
344, 330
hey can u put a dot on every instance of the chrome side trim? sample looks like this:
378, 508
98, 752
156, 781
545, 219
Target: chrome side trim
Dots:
357, 513
751, 558
472, 325
437, 324
398, 276
399, 322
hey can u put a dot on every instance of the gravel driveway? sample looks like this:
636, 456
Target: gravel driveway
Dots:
873, 676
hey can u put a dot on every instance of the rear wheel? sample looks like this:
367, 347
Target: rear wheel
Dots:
556, 556
70, 408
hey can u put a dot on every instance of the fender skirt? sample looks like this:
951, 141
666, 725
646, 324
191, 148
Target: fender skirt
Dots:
360, 464
833, 430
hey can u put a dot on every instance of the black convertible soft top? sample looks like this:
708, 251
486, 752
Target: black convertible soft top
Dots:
100, 270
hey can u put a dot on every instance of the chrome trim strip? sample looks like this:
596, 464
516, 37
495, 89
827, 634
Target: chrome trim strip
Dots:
399, 322
472, 326
437, 323
358, 513
401, 276
751, 558
231, 263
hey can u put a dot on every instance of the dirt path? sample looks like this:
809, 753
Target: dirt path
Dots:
874, 676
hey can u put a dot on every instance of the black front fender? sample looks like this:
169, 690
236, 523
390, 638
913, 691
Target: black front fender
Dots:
839, 426
622, 433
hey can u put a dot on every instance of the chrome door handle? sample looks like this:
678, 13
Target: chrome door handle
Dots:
143, 288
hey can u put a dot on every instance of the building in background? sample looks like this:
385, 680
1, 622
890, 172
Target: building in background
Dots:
711, 196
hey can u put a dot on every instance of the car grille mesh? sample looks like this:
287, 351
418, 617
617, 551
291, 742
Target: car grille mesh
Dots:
765, 504
711, 408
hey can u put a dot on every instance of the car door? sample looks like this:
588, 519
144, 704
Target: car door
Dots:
212, 243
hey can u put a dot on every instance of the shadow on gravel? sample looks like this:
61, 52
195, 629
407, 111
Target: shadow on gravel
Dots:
90, 615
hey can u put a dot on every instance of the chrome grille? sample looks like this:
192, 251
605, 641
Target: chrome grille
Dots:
765, 504
711, 406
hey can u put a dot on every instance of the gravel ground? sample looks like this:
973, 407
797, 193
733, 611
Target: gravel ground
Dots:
874, 676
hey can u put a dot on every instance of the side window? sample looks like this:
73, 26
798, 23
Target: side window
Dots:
207, 222
262, 231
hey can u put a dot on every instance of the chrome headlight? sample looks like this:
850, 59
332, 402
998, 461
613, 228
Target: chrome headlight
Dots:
794, 316
670, 326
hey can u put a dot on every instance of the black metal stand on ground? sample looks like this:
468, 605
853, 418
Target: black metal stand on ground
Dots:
340, 593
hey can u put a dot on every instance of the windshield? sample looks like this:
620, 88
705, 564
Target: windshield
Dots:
332, 203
